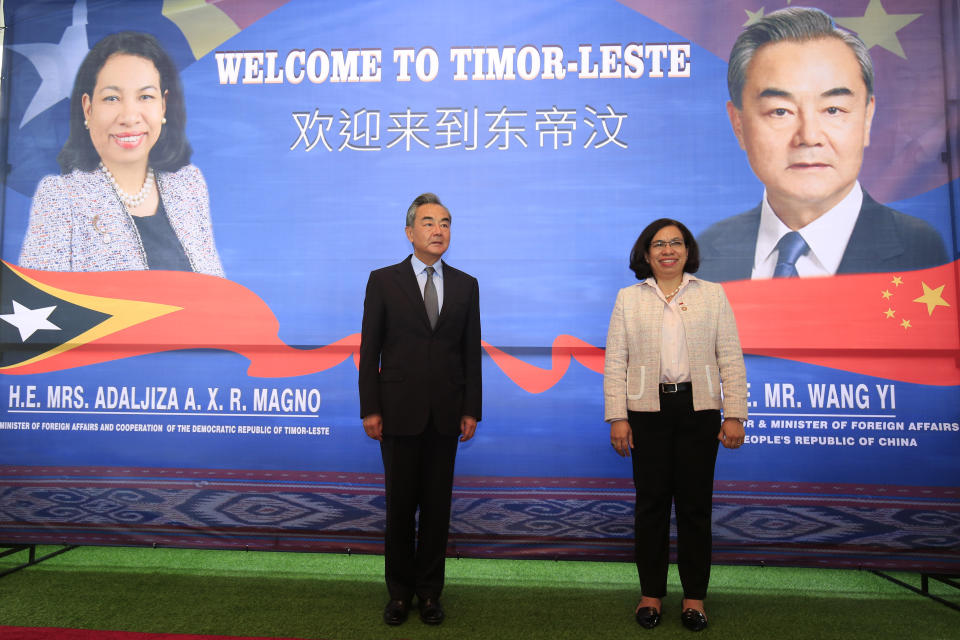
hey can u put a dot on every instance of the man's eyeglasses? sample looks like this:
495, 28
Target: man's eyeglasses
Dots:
660, 244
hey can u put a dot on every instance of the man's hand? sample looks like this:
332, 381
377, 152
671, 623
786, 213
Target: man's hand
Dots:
373, 425
621, 437
468, 426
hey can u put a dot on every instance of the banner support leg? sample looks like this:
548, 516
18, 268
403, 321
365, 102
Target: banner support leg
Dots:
32, 558
924, 589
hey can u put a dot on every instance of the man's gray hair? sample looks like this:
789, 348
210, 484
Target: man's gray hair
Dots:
424, 198
798, 24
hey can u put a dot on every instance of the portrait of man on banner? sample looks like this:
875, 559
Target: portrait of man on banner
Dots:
801, 106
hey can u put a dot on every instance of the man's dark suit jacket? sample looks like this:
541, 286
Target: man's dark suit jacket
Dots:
407, 370
883, 240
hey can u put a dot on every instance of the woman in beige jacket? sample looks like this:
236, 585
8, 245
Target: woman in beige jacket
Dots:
673, 364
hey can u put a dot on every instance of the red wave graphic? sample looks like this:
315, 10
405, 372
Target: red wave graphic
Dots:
536, 380
900, 327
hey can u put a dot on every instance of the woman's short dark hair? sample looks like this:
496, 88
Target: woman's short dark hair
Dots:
638, 255
172, 150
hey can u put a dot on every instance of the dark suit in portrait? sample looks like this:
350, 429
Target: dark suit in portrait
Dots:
422, 386
883, 240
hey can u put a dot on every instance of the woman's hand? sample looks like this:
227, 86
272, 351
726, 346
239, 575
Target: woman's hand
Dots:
731, 433
621, 437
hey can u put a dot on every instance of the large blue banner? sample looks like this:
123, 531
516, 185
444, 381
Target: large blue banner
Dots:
148, 406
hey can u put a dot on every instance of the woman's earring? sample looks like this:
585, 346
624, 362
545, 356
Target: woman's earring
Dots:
163, 120
86, 125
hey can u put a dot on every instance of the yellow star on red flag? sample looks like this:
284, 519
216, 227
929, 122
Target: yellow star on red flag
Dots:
933, 298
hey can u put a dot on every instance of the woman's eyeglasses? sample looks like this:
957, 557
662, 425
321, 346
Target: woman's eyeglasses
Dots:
660, 244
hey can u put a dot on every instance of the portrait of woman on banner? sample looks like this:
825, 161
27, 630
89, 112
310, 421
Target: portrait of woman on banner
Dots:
127, 197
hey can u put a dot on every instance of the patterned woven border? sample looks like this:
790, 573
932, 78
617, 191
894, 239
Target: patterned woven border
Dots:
803, 524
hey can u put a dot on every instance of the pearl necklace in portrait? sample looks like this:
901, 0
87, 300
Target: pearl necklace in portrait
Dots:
135, 200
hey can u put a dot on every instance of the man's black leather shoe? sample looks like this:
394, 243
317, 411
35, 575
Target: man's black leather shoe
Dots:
693, 620
648, 617
395, 612
431, 611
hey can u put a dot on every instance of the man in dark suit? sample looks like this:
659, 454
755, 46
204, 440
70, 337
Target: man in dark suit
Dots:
801, 105
420, 393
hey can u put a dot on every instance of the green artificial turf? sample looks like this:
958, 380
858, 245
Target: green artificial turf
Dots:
341, 597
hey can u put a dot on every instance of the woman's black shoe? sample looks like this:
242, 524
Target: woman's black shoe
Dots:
648, 617
693, 620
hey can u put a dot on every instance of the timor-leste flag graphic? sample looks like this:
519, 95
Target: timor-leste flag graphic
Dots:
50, 321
